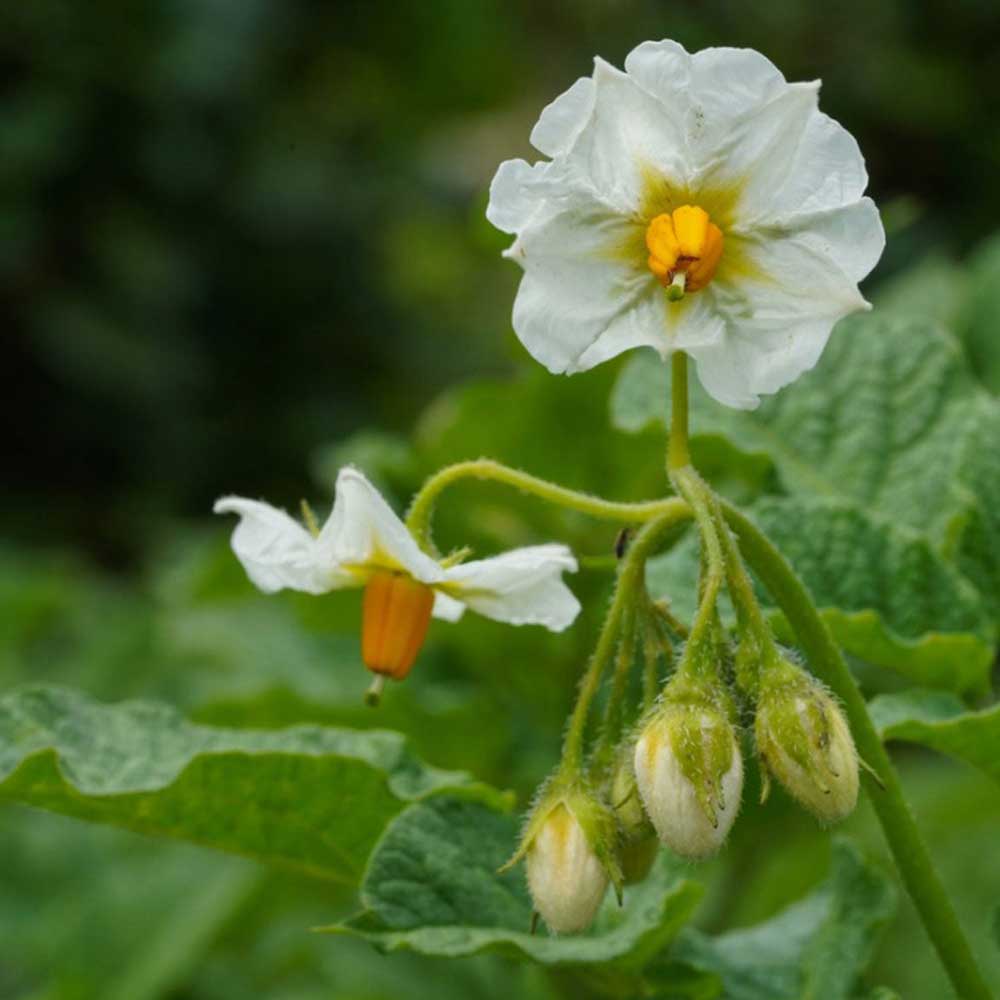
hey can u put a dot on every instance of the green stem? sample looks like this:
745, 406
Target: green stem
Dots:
630, 579
421, 512
604, 752
678, 453
905, 841
693, 489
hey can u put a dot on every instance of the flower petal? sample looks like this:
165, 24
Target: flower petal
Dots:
576, 281
522, 587
562, 120
628, 133
364, 532
516, 194
653, 321
277, 552
447, 608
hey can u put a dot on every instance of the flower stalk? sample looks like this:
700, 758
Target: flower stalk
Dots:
885, 791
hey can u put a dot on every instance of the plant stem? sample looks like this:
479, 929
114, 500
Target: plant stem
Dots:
901, 832
678, 453
699, 497
630, 579
604, 752
418, 520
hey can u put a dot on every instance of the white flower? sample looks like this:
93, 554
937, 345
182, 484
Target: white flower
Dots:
772, 238
566, 879
364, 544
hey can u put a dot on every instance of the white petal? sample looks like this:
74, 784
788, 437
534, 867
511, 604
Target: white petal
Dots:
516, 194
654, 321
577, 281
747, 362
447, 608
629, 133
277, 552
851, 236
522, 587
562, 120
364, 532
826, 171
779, 315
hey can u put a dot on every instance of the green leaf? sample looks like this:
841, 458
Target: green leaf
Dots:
938, 720
978, 320
432, 887
312, 798
888, 597
891, 419
814, 950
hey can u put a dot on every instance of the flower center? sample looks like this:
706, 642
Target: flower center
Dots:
685, 247
395, 616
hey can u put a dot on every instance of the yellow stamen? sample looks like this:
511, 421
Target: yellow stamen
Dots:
685, 243
395, 617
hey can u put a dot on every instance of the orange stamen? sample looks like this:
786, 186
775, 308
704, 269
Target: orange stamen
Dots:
395, 617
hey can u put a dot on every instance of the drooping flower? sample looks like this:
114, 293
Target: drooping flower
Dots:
364, 544
695, 203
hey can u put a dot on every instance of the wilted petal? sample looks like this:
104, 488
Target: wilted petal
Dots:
365, 533
521, 587
277, 552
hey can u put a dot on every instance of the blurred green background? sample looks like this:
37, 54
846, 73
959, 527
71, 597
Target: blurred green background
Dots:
242, 242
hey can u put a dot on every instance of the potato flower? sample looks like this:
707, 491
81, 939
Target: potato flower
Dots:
364, 544
695, 203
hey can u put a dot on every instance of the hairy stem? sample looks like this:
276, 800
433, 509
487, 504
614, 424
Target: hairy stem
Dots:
905, 841
630, 580
421, 512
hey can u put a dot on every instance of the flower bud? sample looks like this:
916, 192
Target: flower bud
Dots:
689, 770
570, 848
638, 843
633, 823
804, 741
566, 879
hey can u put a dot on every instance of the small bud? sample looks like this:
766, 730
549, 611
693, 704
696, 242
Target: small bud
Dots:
638, 843
566, 879
570, 846
633, 823
803, 740
689, 769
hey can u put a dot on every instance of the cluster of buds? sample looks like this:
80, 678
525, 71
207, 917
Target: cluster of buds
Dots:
677, 779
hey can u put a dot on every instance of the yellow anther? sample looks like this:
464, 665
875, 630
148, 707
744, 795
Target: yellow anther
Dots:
685, 248
396, 613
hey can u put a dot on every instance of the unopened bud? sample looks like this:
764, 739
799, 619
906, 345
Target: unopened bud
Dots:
633, 823
638, 844
804, 741
689, 771
566, 879
569, 846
